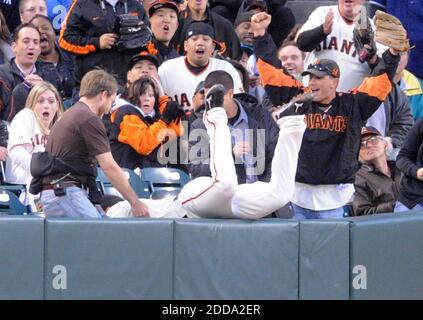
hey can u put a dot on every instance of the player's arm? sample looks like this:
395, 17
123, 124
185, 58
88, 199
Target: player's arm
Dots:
279, 85
375, 88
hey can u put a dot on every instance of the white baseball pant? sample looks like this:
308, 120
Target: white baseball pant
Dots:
220, 196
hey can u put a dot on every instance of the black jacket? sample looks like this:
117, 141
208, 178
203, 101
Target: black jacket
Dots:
86, 21
162, 52
329, 151
258, 118
44, 165
62, 74
13, 89
409, 160
374, 191
224, 34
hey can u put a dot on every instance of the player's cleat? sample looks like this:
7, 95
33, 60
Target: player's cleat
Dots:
214, 97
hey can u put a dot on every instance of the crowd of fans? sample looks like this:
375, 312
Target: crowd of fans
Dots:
361, 152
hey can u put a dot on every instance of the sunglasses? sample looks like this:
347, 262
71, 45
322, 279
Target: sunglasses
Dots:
370, 142
319, 67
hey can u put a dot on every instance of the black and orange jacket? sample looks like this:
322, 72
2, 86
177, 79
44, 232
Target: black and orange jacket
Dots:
329, 151
223, 29
136, 141
85, 22
161, 51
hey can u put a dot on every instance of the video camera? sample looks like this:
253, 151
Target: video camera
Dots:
132, 32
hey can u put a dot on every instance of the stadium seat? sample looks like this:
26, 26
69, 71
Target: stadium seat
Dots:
168, 179
17, 189
140, 187
10, 204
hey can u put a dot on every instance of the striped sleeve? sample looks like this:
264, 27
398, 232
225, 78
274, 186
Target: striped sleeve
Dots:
73, 36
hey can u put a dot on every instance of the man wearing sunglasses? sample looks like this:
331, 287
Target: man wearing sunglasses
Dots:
328, 159
376, 183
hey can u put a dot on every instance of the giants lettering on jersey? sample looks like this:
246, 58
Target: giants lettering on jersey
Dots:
183, 101
326, 122
332, 43
39, 139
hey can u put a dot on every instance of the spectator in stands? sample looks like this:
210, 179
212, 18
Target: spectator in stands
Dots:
328, 34
93, 41
29, 8
29, 130
292, 58
377, 181
243, 28
181, 76
197, 103
410, 85
254, 134
197, 10
243, 74
410, 162
22, 72
6, 53
56, 62
247, 51
164, 23
10, 9
410, 13
283, 18
329, 152
4, 137
76, 143
142, 121
28, 133
141, 65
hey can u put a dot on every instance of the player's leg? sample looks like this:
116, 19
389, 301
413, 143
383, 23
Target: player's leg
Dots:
210, 197
259, 199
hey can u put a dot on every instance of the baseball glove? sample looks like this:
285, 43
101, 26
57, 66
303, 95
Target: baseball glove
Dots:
364, 42
390, 32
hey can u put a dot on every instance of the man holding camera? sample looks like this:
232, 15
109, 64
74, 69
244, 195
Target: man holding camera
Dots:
91, 32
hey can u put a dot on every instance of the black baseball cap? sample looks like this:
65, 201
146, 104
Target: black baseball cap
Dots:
199, 87
323, 67
369, 131
256, 4
143, 55
196, 28
243, 17
156, 5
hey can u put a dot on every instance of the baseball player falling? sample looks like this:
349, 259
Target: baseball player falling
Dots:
220, 196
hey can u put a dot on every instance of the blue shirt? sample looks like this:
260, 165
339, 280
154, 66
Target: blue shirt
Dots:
410, 12
240, 132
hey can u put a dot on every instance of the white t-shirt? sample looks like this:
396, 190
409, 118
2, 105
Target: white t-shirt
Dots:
25, 138
179, 82
338, 46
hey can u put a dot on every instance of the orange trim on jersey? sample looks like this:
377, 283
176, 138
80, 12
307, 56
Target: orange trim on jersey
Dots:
82, 50
378, 87
269, 75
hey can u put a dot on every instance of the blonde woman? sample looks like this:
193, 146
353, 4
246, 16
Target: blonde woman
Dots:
29, 130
